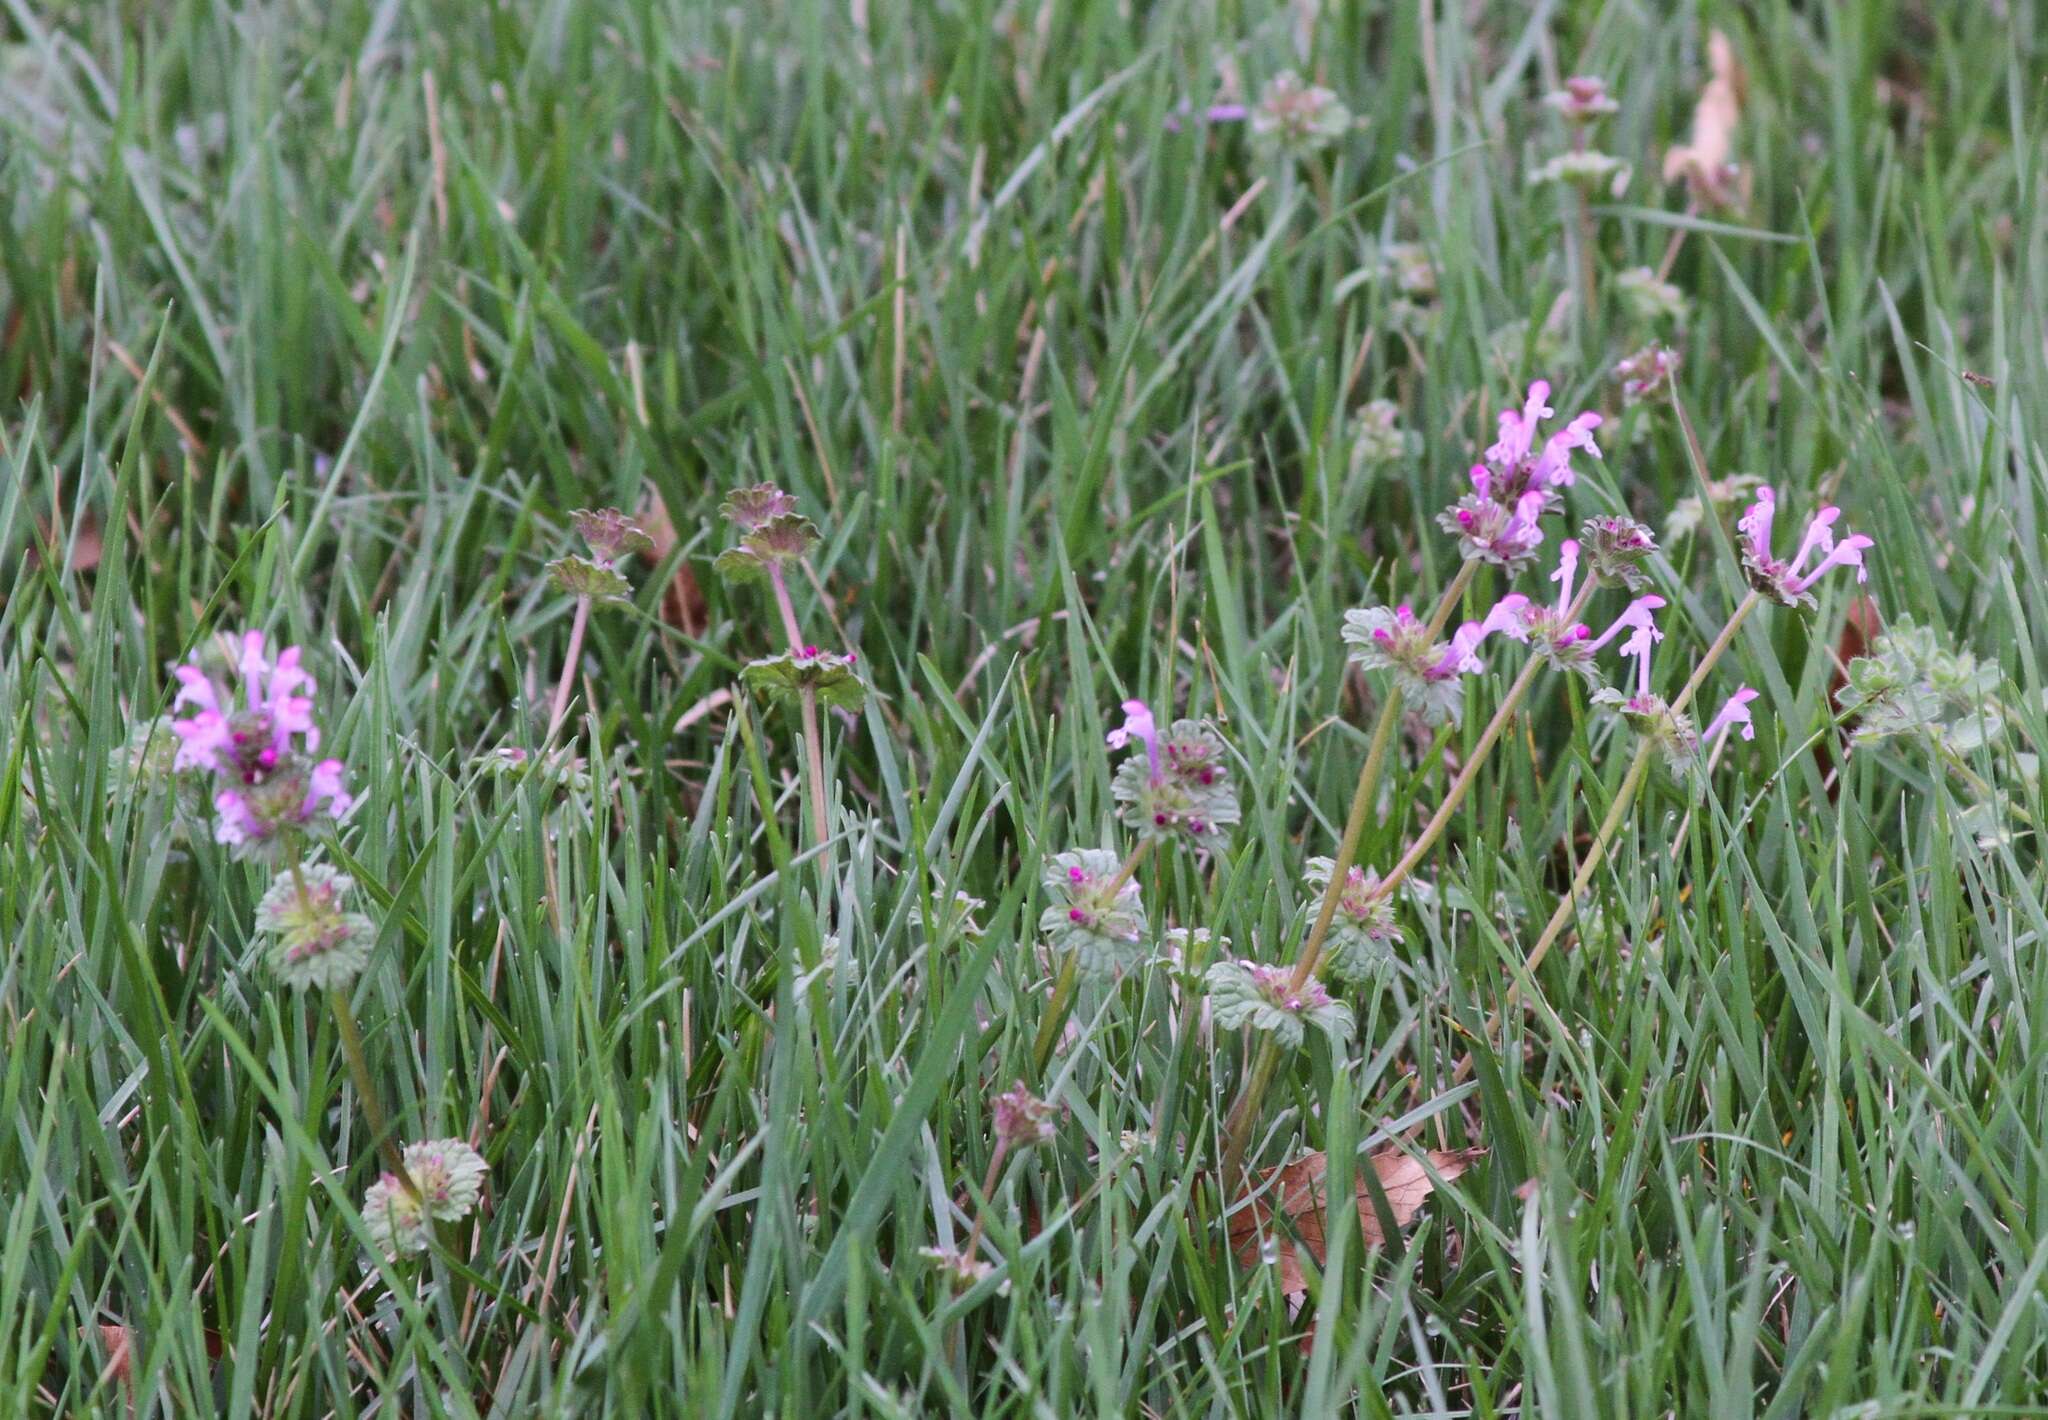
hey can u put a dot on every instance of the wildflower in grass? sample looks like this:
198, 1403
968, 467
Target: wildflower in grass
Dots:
1022, 1119
1787, 583
1488, 530
1583, 100
1179, 788
772, 533
449, 1176
1516, 466
1646, 712
827, 674
1410, 267
1377, 437
958, 1268
1549, 631
1362, 935
1649, 298
559, 766
1616, 546
443, 1180
1647, 375
1296, 118
611, 536
395, 1217
1733, 715
1585, 169
1429, 673
1095, 913
319, 942
1249, 993
258, 745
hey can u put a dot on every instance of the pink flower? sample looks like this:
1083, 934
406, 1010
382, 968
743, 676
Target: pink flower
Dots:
1511, 454
258, 739
1734, 713
1637, 620
1138, 725
1789, 583
1498, 521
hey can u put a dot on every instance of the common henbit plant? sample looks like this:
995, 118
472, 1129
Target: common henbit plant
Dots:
594, 581
256, 739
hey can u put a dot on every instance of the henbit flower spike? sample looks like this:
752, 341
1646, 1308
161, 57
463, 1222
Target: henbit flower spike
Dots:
1103, 926
1788, 583
1264, 997
259, 747
1297, 118
1362, 935
447, 1178
1518, 483
1615, 546
320, 942
1180, 788
1646, 712
1022, 1119
1648, 374
1733, 713
1583, 99
1430, 674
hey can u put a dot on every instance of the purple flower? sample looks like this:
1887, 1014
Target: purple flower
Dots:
258, 740
1215, 113
1138, 725
1497, 521
1788, 583
1429, 673
1734, 713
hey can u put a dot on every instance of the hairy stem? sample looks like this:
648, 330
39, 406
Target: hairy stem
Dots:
569, 660
814, 742
366, 1089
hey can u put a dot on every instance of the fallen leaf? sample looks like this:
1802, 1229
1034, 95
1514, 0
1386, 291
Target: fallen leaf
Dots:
682, 604
1300, 1193
1707, 162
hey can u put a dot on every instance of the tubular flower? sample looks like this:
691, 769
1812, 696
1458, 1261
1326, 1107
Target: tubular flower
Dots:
259, 746
1646, 712
1362, 935
1103, 925
1733, 714
1180, 788
1496, 521
1249, 993
1022, 1119
1430, 674
1788, 583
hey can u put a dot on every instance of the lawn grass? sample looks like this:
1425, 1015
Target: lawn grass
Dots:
322, 319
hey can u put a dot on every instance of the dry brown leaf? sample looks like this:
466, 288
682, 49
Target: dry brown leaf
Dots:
120, 1360
1707, 163
1299, 1191
682, 605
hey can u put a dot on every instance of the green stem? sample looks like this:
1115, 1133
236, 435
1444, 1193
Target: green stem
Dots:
1237, 1126
1624, 797
366, 1089
1055, 1013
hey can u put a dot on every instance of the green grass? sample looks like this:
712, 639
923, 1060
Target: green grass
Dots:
321, 318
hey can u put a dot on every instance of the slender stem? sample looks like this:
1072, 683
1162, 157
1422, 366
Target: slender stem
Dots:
988, 1187
1588, 292
568, 677
1245, 1109
1631, 784
366, 1089
1129, 866
814, 742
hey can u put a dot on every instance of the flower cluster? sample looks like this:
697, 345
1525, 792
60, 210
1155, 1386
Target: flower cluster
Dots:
1429, 673
772, 533
1616, 546
1377, 437
1652, 717
1264, 997
319, 943
1650, 298
611, 537
1022, 1119
1179, 788
1788, 583
1648, 374
1583, 100
259, 746
1295, 117
1362, 933
1550, 631
1095, 913
1498, 521
443, 1180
